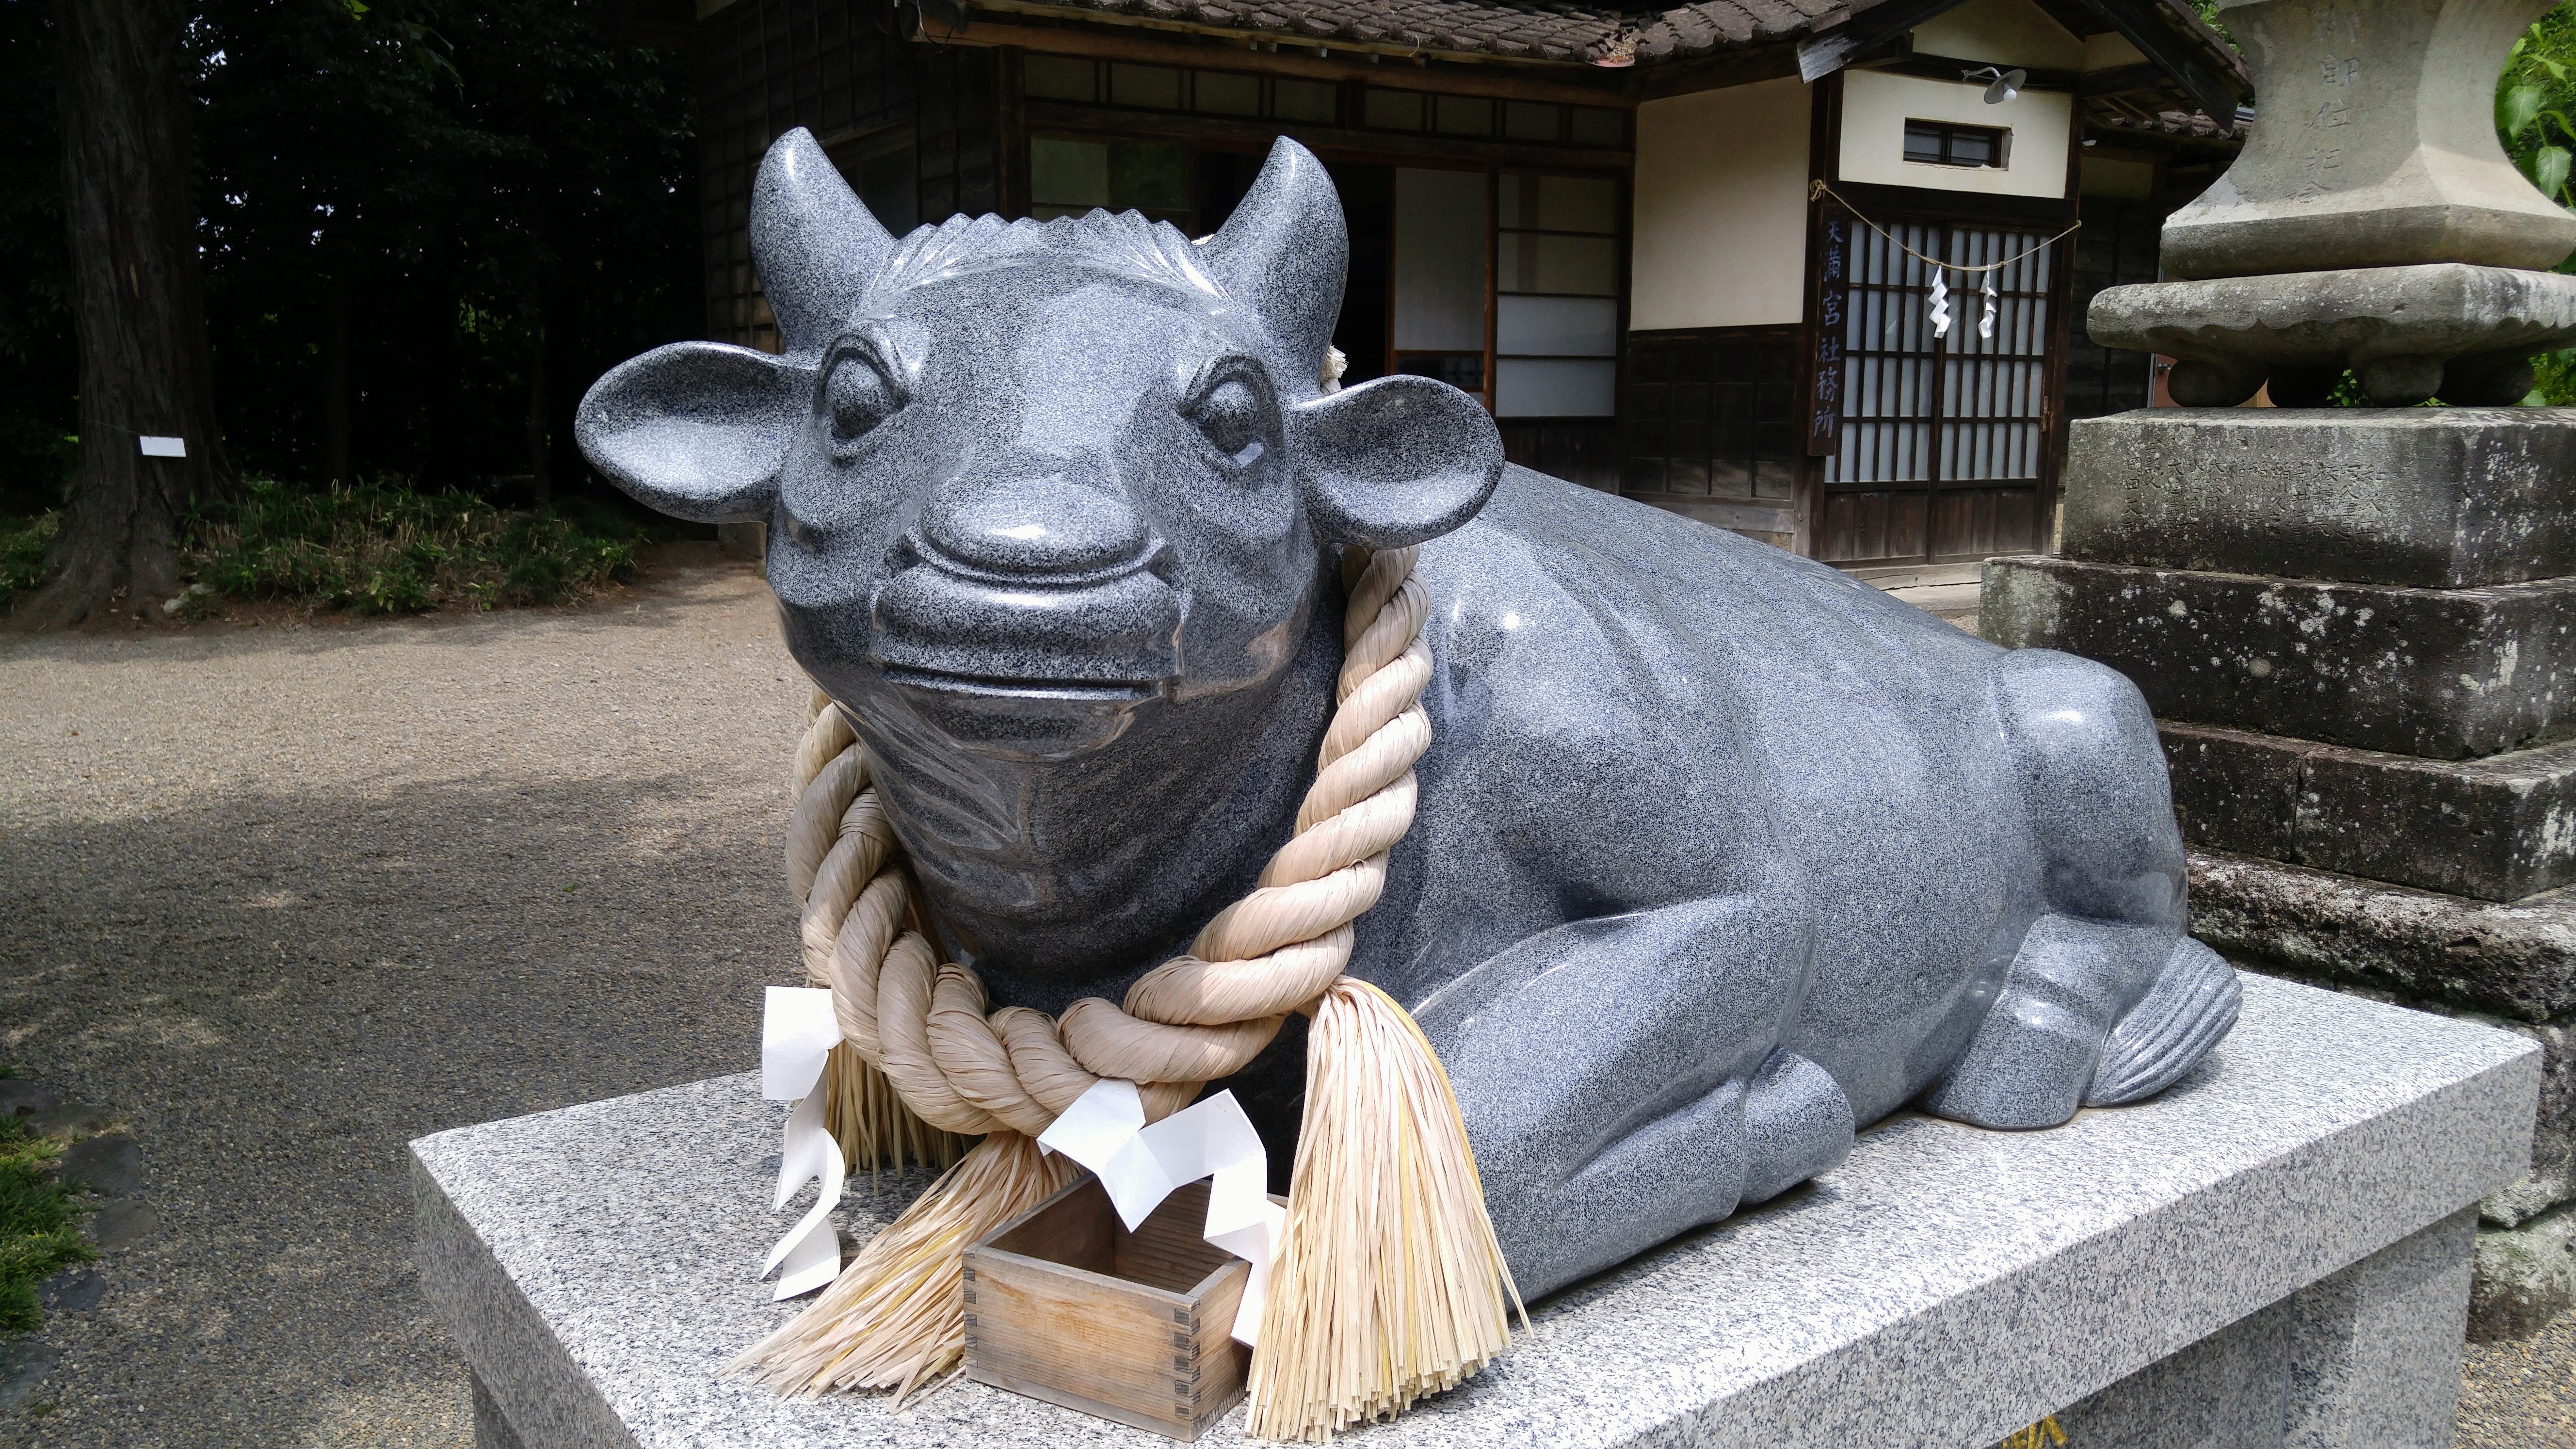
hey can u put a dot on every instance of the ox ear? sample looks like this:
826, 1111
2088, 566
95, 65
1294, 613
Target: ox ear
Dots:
1395, 461
696, 429
1284, 250
816, 244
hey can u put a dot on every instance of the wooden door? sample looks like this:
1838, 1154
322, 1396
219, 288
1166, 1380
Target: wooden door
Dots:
1942, 455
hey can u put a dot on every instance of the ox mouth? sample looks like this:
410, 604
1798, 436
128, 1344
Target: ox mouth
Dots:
1066, 691
980, 636
1026, 669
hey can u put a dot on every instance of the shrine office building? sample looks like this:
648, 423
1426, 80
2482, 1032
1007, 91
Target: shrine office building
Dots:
1683, 255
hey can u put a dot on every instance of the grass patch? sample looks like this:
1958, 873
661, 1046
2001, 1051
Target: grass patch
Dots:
382, 548
23, 542
39, 1224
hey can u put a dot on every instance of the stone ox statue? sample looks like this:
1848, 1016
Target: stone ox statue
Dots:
1719, 855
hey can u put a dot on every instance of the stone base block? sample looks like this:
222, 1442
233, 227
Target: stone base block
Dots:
2296, 1205
2443, 674
2494, 828
2523, 1278
2444, 329
2437, 498
2515, 959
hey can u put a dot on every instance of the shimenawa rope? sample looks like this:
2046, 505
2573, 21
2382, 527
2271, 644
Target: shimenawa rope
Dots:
1389, 1283
1818, 191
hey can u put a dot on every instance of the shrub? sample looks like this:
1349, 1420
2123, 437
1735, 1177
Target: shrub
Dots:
23, 542
382, 548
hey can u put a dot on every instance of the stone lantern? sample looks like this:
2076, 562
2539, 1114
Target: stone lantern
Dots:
2372, 221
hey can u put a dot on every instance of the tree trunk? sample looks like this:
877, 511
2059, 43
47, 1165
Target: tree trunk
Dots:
335, 384
139, 311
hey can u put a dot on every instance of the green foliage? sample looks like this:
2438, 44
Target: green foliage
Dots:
39, 1224
2535, 103
23, 542
38, 364
497, 198
383, 548
375, 172
2556, 380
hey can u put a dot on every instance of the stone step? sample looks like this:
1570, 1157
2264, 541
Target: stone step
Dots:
2417, 497
2494, 829
2444, 674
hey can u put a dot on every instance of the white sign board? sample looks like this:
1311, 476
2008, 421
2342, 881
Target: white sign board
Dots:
164, 447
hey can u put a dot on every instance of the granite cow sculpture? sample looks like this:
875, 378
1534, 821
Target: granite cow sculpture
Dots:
1719, 855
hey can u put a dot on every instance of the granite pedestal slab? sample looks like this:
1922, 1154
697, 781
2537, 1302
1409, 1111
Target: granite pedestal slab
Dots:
2445, 674
2276, 1246
2493, 828
2432, 498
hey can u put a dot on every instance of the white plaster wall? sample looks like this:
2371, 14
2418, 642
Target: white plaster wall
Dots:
1876, 106
1721, 216
2000, 32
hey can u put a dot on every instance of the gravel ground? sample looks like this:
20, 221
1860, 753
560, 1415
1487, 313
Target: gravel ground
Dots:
2521, 1395
288, 897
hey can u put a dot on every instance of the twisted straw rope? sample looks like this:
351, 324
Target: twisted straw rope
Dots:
966, 1069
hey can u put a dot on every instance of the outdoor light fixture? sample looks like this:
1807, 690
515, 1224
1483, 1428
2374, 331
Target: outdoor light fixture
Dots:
2006, 83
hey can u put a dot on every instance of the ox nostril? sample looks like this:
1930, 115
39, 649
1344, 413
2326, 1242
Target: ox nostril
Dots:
1039, 526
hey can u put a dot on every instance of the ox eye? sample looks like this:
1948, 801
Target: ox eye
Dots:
857, 397
1230, 417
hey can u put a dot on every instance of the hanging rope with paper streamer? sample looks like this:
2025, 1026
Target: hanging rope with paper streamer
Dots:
1937, 297
1436, 1308
1818, 191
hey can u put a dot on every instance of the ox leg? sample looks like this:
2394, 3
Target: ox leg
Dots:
2108, 1000
1622, 1080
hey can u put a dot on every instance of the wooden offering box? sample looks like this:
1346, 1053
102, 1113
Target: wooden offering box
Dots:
1064, 1304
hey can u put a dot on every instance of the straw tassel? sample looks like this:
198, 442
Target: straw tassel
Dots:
1389, 1284
867, 1116
896, 1317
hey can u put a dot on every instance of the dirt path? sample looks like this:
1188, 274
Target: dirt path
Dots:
290, 897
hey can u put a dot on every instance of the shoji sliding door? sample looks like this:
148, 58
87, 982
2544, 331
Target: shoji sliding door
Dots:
1942, 453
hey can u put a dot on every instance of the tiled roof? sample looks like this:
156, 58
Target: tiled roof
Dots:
1567, 32
1529, 29
2120, 114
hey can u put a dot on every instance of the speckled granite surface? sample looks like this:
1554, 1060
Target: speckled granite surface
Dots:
1944, 1287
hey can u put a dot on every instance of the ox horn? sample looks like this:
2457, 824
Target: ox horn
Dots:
816, 244
1285, 250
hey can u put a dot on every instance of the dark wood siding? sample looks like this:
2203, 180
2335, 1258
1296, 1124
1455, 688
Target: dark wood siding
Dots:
1578, 452
2116, 247
1709, 426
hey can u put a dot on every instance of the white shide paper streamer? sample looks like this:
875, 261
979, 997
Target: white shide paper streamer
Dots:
1940, 300
1105, 1131
1986, 321
797, 1031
